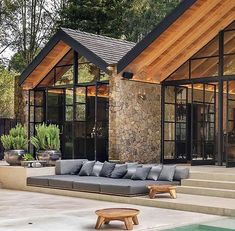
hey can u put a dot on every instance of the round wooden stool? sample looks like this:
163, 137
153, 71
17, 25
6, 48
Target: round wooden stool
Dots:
127, 215
155, 189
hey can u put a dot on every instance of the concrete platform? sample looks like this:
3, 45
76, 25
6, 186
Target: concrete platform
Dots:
27, 211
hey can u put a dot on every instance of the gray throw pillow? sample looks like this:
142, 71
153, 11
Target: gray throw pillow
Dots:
86, 168
97, 168
107, 169
141, 173
131, 168
76, 169
167, 173
119, 171
181, 173
154, 172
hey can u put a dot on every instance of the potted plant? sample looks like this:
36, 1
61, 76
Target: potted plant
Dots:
15, 144
47, 143
27, 158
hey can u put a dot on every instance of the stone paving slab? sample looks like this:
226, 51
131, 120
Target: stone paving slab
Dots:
24, 211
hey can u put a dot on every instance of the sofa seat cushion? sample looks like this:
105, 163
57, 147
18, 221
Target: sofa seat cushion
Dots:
38, 181
86, 186
62, 181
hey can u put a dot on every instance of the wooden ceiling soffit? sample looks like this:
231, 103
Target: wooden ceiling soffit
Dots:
186, 36
47, 64
179, 53
184, 56
168, 38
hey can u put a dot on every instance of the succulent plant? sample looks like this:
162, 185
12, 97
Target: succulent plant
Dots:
47, 137
16, 140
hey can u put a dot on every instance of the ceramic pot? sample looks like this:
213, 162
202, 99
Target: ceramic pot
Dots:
50, 156
14, 157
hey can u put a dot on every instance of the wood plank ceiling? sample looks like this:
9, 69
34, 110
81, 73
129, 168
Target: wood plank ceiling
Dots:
47, 64
184, 38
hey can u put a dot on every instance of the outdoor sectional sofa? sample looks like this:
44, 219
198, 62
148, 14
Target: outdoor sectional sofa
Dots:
67, 178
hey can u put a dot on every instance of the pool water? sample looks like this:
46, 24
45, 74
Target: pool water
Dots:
200, 228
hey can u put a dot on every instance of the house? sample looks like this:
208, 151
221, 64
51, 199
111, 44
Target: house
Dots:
168, 98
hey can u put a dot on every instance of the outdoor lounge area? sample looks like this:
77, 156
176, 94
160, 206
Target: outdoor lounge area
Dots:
120, 135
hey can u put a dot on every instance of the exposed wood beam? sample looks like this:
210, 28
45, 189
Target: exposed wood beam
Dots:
195, 46
176, 31
186, 44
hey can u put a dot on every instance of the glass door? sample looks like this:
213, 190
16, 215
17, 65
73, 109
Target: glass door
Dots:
55, 114
230, 125
175, 137
203, 117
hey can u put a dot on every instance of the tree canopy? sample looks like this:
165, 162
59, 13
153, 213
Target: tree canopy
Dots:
27, 25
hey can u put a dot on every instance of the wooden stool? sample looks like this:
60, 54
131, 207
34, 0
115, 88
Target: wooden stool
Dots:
155, 189
127, 215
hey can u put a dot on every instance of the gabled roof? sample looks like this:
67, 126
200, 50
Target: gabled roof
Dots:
108, 49
177, 38
154, 34
99, 50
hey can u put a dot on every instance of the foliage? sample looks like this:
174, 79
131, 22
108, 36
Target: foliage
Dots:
7, 80
16, 140
47, 137
26, 25
95, 16
143, 15
28, 157
128, 19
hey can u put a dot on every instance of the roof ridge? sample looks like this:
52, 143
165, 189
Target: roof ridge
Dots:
97, 35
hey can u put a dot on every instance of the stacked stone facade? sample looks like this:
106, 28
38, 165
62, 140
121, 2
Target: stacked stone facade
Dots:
134, 121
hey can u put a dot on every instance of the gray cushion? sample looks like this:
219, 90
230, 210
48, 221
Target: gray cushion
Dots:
154, 172
86, 186
119, 171
167, 173
130, 171
129, 187
38, 181
107, 169
65, 166
141, 173
87, 168
97, 168
76, 169
181, 173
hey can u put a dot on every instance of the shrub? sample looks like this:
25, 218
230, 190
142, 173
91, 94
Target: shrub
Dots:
17, 139
47, 137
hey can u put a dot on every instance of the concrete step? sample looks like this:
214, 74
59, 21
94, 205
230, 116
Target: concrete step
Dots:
212, 176
184, 202
209, 184
192, 203
215, 192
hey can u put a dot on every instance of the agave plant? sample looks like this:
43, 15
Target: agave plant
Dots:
16, 140
47, 137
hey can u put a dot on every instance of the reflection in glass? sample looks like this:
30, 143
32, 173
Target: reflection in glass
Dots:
69, 97
169, 150
169, 131
169, 112
205, 67
229, 65
69, 113
80, 112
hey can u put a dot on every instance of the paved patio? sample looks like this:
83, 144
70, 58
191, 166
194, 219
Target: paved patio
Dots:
22, 210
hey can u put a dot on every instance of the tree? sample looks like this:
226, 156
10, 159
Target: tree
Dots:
7, 93
143, 15
96, 16
26, 25
128, 19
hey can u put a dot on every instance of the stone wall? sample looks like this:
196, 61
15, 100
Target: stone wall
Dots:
134, 121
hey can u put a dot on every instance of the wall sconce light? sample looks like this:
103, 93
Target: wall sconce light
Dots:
141, 95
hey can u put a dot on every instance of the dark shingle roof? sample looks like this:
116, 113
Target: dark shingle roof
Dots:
109, 49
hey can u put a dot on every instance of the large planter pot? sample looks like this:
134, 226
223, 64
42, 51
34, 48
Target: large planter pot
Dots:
50, 156
14, 157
